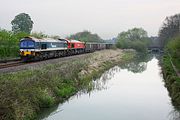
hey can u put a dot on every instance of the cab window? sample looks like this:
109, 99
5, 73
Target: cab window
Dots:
43, 46
37, 45
27, 44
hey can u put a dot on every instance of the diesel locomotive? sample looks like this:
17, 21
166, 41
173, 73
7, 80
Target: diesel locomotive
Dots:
39, 49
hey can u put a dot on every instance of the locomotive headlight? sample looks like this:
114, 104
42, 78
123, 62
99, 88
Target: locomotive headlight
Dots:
33, 53
21, 52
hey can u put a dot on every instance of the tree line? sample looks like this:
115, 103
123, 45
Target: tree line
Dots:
169, 35
86, 36
169, 29
135, 38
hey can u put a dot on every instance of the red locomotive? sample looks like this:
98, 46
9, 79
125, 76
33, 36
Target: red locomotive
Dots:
74, 44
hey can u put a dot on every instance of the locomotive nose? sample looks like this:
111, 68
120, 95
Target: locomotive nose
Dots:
26, 53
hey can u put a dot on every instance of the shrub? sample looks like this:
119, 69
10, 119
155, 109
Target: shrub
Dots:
9, 43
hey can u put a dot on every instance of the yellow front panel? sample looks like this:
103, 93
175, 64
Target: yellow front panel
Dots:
25, 53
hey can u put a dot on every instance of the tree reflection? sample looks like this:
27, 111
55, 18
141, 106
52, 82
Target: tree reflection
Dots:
174, 114
138, 64
100, 83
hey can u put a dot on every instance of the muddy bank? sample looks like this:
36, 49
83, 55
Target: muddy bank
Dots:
25, 92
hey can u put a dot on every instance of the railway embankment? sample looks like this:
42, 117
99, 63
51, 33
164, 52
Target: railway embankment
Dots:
172, 79
23, 93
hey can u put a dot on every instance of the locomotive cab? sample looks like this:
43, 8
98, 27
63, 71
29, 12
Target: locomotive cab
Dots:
27, 47
38, 49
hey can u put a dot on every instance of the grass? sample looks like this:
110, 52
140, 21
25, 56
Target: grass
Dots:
172, 81
34, 89
176, 63
23, 94
65, 90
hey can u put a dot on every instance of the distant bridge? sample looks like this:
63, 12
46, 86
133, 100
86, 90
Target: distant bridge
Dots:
155, 49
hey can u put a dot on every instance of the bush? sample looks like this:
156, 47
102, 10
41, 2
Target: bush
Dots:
45, 99
65, 90
9, 43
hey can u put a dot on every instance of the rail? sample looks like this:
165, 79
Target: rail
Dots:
10, 64
9, 60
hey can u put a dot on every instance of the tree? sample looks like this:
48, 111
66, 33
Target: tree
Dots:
39, 35
86, 36
22, 23
169, 29
9, 43
135, 38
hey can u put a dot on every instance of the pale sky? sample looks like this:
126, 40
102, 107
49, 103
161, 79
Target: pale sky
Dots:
107, 18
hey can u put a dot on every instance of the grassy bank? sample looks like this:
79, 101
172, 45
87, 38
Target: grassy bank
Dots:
172, 81
171, 69
25, 93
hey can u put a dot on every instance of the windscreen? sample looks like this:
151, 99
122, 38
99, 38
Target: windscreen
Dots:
27, 44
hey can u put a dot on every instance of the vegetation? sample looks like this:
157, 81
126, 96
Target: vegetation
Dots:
35, 89
9, 43
172, 81
169, 36
85, 36
173, 47
25, 93
135, 38
22, 23
39, 35
154, 42
169, 29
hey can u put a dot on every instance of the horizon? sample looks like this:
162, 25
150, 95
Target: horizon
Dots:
66, 17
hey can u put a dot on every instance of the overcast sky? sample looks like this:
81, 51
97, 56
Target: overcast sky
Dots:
104, 17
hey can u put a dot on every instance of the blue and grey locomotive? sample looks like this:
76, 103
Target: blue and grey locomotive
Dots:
38, 49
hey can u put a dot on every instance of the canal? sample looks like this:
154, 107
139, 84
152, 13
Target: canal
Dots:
133, 91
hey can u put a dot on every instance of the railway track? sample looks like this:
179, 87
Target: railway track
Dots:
9, 60
18, 62
12, 63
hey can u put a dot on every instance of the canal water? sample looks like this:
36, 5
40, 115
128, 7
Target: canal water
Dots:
133, 91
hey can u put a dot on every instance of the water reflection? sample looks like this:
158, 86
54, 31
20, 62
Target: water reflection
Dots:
131, 91
174, 114
100, 83
139, 63
47, 112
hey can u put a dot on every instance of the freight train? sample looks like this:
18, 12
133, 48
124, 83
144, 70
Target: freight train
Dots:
32, 49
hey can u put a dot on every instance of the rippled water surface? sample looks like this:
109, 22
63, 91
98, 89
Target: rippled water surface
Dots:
134, 91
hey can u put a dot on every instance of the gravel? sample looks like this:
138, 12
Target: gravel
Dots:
39, 64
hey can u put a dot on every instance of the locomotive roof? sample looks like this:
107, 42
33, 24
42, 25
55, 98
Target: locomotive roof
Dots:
74, 41
43, 39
